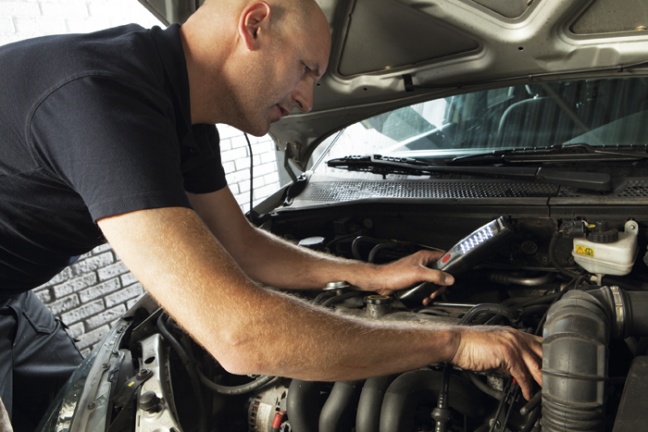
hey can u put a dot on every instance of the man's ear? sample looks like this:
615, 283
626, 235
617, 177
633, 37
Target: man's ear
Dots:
255, 18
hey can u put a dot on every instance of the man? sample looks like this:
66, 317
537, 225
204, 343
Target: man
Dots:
111, 135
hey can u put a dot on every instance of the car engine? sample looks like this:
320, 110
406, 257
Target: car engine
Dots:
579, 282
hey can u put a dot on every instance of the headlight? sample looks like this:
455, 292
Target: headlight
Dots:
82, 404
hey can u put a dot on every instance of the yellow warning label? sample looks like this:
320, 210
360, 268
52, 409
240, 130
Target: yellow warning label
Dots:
583, 250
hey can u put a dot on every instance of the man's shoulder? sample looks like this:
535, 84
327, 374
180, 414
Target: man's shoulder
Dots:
128, 50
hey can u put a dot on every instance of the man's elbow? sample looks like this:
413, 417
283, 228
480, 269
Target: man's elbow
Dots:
245, 356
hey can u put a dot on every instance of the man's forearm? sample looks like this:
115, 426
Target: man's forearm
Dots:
253, 330
298, 340
279, 263
250, 329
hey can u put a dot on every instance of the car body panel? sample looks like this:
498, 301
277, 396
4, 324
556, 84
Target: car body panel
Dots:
390, 53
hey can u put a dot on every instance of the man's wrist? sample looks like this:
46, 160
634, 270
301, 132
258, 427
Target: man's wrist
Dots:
362, 275
452, 343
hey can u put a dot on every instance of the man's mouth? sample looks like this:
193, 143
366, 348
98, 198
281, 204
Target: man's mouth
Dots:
284, 112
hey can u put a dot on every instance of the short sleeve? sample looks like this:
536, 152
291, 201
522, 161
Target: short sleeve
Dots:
113, 142
201, 161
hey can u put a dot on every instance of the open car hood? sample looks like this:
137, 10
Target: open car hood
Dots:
391, 53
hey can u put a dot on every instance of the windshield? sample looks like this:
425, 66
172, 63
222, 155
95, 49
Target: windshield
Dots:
610, 112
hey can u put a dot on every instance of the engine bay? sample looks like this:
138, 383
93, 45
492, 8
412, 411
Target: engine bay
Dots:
578, 281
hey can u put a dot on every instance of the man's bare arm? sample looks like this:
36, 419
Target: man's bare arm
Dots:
261, 254
251, 330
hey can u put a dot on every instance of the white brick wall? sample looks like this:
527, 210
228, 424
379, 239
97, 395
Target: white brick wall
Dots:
91, 294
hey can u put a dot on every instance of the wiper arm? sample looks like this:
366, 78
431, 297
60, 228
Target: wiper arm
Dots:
383, 165
558, 153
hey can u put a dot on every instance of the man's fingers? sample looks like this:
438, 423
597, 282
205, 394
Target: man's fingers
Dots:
536, 360
435, 294
525, 378
529, 366
429, 256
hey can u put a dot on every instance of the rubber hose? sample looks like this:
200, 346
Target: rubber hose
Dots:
338, 413
574, 364
371, 399
303, 405
420, 388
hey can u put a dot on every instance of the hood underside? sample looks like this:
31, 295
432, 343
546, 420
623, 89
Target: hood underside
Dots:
390, 53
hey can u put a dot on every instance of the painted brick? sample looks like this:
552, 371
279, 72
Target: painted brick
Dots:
234, 187
88, 339
243, 164
67, 9
107, 317
76, 284
263, 169
128, 279
45, 295
32, 27
19, 9
63, 276
234, 154
7, 25
130, 303
76, 330
258, 182
101, 248
9, 38
238, 176
240, 142
93, 262
83, 312
265, 145
229, 166
99, 290
244, 187
117, 12
269, 157
124, 295
112, 271
225, 131
60, 306
225, 144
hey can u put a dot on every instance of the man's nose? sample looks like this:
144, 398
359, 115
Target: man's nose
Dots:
303, 96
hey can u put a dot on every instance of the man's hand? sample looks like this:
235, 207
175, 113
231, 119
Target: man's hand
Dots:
406, 272
489, 347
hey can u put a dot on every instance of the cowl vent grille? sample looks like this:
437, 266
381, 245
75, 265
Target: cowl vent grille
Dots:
634, 188
356, 190
319, 192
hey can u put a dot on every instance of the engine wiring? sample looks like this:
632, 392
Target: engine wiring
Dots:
518, 296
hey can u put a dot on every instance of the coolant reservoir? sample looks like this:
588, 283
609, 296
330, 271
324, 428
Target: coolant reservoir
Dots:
607, 252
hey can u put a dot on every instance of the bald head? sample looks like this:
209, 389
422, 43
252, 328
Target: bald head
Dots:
304, 9
251, 62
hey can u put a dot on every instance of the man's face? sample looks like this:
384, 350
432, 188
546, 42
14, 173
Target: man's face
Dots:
294, 65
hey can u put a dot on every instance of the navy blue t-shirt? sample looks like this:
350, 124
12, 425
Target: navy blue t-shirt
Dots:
91, 126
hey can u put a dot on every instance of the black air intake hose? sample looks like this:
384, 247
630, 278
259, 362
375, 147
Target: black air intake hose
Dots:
303, 405
420, 388
371, 398
338, 413
575, 353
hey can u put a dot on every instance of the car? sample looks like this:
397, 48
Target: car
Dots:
512, 135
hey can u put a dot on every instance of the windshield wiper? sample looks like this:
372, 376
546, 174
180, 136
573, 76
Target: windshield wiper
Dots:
579, 152
384, 165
